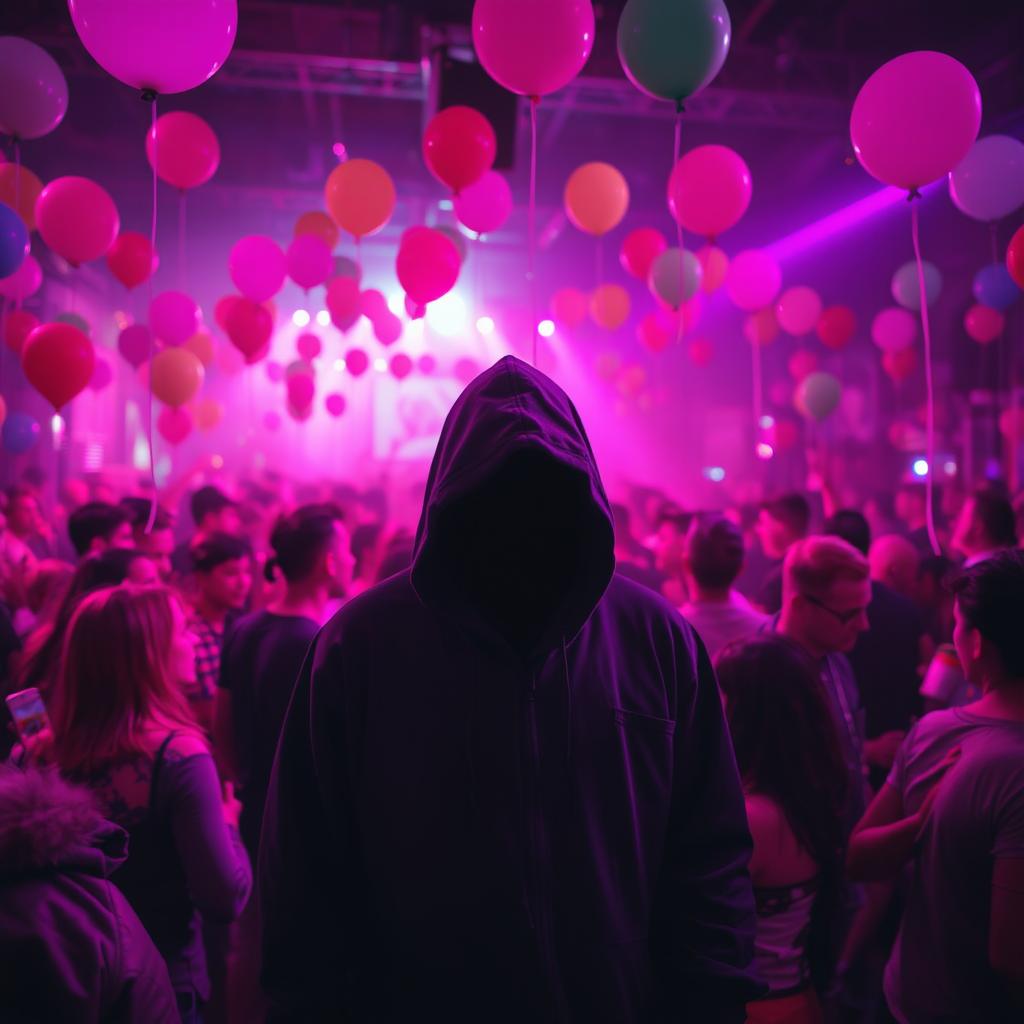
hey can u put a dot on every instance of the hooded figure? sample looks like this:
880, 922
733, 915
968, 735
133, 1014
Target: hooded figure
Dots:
71, 948
504, 790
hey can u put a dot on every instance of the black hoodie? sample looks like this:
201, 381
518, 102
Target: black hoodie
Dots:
504, 790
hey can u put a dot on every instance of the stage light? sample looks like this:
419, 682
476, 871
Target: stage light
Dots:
447, 315
217, 461
340, 151
920, 467
300, 317
949, 467
444, 204
339, 365
396, 303
766, 422
714, 473
546, 328
485, 326
380, 365
765, 451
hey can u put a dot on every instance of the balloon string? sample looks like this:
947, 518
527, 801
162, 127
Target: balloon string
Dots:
182, 273
532, 228
599, 260
149, 388
758, 384
677, 149
929, 385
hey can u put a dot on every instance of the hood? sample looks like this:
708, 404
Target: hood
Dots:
515, 537
45, 822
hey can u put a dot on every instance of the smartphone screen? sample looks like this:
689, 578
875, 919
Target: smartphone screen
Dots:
28, 711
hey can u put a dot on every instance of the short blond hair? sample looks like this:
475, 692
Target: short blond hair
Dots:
813, 565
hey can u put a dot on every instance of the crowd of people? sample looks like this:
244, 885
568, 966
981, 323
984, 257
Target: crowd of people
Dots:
548, 758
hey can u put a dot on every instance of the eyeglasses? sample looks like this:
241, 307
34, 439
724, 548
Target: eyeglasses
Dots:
845, 618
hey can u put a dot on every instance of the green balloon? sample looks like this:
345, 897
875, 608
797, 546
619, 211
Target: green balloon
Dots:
75, 320
668, 282
818, 395
671, 49
345, 267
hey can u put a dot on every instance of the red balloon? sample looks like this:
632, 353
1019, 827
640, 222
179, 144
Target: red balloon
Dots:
784, 434
357, 362
343, 302
836, 326
639, 250
459, 146
401, 366
1015, 256
652, 333
984, 324
901, 364
18, 325
221, 310
184, 149
132, 259
301, 388
427, 264
249, 327
701, 352
58, 360
387, 329
570, 306
802, 363
174, 424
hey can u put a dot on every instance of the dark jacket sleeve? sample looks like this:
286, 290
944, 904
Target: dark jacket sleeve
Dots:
703, 936
312, 898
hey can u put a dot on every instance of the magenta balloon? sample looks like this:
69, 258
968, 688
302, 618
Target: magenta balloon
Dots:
894, 329
357, 362
77, 219
174, 317
373, 305
134, 343
257, 266
387, 329
335, 404
753, 281
301, 388
33, 90
413, 309
533, 47
485, 205
24, 282
401, 366
308, 346
343, 302
275, 371
184, 148
102, 375
709, 190
426, 364
915, 119
272, 420
310, 262
156, 45
798, 310
427, 264
174, 424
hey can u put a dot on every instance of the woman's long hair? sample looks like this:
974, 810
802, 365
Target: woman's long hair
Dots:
788, 749
115, 681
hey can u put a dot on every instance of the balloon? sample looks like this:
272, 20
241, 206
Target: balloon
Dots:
175, 376
639, 250
102, 375
33, 90
77, 219
299, 368
900, 364
906, 289
221, 310
596, 198
373, 305
802, 364
24, 282
184, 149
671, 49
308, 346
300, 413
988, 183
13, 241
1014, 257
458, 240
1011, 424
652, 333
257, 266
75, 320
173, 317
484, 206
249, 327
301, 387
761, 328
174, 425
343, 302
356, 362
427, 264
18, 325
208, 413
465, 369
784, 434
609, 306
335, 404
459, 146
894, 329
387, 329
709, 190
631, 380
607, 365
58, 361
836, 326
400, 366
3, 410
818, 395
715, 267
360, 196
19, 433
271, 420
993, 286
320, 224
19, 189
201, 346
754, 280
671, 285
275, 372
915, 119
309, 261
346, 267
155, 46
569, 307
132, 259
701, 352
134, 343
230, 361
984, 324
533, 47
798, 310
426, 364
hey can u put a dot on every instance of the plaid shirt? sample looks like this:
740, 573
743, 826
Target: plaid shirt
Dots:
209, 641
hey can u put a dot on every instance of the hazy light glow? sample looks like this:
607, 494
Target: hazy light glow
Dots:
714, 473
949, 467
485, 325
340, 151
323, 318
546, 328
765, 451
766, 422
217, 461
300, 317
920, 467
380, 365
444, 204
339, 365
396, 303
447, 315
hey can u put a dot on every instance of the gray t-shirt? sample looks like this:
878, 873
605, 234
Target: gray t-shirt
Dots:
939, 972
719, 623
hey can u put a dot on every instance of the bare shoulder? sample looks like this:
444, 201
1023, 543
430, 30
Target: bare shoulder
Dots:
765, 817
187, 744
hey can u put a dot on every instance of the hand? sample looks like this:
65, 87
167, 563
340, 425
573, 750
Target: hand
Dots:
934, 778
231, 806
38, 750
881, 751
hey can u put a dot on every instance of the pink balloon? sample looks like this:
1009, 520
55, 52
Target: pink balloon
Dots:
915, 119
984, 324
24, 282
373, 305
414, 310
301, 388
427, 264
426, 364
134, 343
401, 366
714, 266
132, 259
272, 421
174, 424
155, 45
459, 146
653, 333
709, 190
802, 363
308, 346
335, 404
77, 219
174, 317
102, 375
387, 329
570, 306
485, 205
357, 362
639, 250
343, 302
257, 266
310, 262
798, 310
894, 329
465, 369
533, 47
184, 148
754, 280
275, 372
249, 327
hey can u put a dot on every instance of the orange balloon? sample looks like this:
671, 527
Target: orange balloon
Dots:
320, 224
360, 196
596, 198
208, 413
175, 376
201, 346
609, 306
25, 186
715, 264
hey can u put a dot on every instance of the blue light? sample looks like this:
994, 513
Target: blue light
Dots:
714, 473
920, 467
